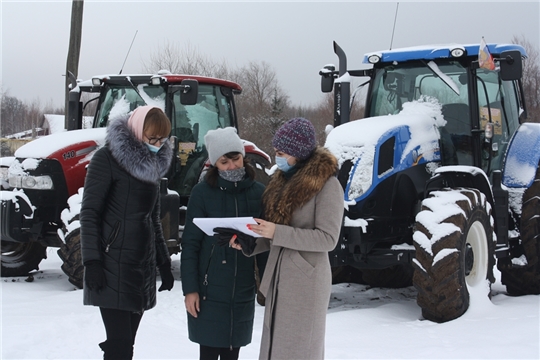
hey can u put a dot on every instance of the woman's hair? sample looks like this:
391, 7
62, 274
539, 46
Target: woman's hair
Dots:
213, 173
157, 123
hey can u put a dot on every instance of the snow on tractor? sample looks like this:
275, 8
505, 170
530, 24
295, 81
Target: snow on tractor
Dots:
441, 177
46, 178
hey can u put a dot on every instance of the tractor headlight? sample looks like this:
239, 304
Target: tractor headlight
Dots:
373, 59
457, 52
31, 182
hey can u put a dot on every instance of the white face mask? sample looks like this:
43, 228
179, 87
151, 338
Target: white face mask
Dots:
153, 148
282, 164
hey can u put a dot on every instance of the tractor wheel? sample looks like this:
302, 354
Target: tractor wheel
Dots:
525, 279
455, 250
18, 259
398, 276
259, 164
70, 250
70, 253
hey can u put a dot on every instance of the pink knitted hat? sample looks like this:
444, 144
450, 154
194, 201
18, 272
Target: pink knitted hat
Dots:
136, 120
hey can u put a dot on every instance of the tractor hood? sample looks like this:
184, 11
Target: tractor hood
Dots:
44, 147
413, 136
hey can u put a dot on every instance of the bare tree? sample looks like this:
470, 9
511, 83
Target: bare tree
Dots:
260, 84
531, 78
13, 112
184, 60
263, 105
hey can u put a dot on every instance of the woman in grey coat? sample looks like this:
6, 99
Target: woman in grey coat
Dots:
303, 211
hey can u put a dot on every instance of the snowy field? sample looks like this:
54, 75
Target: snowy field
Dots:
45, 319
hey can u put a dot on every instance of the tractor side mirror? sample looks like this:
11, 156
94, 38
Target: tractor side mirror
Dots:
189, 92
327, 78
511, 65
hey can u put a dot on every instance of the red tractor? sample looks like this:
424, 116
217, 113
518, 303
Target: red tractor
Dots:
41, 206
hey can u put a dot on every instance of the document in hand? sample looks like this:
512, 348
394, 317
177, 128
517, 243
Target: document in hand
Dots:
238, 223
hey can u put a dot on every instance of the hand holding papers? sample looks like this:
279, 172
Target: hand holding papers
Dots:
228, 236
238, 223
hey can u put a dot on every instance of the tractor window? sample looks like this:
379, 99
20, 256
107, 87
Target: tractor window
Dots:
400, 83
190, 123
497, 102
121, 100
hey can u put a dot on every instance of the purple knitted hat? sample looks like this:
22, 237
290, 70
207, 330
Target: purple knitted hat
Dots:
296, 137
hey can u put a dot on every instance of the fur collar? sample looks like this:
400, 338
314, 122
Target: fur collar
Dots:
282, 197
134, 156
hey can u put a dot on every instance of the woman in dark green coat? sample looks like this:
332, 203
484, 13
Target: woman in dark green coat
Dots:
219, 282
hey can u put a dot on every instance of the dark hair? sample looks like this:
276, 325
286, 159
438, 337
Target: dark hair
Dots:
213, 173
157, 123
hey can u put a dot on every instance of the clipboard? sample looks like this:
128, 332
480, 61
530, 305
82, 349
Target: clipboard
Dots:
238, 223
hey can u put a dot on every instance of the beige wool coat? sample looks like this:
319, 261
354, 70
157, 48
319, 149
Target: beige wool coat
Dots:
297, 280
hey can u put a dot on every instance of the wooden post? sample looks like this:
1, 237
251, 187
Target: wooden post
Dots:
72, 64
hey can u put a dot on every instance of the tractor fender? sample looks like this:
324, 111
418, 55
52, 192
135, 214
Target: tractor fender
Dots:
522, 157
460, 176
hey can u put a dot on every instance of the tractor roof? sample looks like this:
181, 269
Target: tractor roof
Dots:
431, 52
170, 78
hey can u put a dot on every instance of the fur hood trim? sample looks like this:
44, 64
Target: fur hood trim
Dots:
282, 197
134, 156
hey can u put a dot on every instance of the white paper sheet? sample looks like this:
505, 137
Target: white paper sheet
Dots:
238, 223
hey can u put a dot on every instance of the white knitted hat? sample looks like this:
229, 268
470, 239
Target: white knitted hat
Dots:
222, 141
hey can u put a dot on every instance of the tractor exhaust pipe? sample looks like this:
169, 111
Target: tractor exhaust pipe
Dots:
342, 90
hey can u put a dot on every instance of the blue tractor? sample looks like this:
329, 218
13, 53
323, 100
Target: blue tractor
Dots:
441, 176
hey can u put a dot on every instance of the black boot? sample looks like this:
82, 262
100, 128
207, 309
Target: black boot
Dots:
117, 349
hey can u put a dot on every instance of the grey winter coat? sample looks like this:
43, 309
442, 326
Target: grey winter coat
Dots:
308, 211
120, 219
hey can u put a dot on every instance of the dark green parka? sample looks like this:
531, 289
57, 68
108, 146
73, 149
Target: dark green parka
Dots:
223, 276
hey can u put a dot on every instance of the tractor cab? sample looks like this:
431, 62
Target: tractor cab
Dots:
481, 107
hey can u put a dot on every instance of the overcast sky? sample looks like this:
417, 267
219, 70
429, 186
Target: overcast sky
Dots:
295, 38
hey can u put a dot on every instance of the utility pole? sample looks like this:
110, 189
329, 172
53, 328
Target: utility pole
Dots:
74, 50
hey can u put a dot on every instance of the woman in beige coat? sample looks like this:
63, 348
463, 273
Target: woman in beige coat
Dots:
303, 212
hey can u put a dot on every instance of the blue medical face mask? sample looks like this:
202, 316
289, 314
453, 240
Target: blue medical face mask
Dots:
153, 148
282, 164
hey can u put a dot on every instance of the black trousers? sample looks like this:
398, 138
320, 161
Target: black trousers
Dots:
120, 324
212, 353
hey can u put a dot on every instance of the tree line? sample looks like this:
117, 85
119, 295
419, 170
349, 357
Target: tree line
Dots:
263, 105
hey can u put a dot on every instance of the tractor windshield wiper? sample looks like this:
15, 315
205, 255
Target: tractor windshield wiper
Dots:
445, 78
128, 79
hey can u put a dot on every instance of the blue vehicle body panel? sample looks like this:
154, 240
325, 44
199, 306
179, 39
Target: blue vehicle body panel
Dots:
401, 161
522, 157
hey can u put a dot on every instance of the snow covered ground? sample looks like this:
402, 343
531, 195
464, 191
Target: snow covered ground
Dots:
45, 319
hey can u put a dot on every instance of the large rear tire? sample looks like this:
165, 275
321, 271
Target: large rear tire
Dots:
525, 279
455, 251
18, 259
